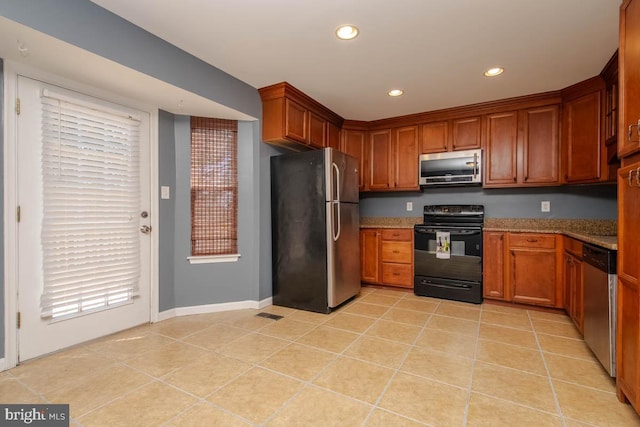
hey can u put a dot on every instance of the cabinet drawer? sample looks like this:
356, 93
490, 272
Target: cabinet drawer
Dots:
400, 252
397, 274
573, 246
532, 240
397, 234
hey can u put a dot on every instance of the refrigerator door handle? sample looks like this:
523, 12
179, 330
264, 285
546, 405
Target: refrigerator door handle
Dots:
336, 236
337, 181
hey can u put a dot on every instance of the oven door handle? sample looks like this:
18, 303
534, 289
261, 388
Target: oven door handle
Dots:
450, 286
452, 231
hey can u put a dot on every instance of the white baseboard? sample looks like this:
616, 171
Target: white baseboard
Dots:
214, 308
3, 364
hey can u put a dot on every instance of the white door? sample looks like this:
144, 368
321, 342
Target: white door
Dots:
82, 236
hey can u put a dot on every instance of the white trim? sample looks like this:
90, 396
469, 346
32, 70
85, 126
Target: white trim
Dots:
3, 366
210, 259
214, 308
154, 262
10, 225
10, 73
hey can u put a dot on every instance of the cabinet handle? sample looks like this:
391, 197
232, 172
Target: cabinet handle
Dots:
396, 274
526, 178
532, 240
515, 179
396, 234
630, 133
638, 177
630, 178
396, 252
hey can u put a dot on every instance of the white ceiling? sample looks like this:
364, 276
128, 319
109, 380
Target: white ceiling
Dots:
435, 50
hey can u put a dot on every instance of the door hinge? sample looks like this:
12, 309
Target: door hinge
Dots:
18, 320
18, 213
18, 106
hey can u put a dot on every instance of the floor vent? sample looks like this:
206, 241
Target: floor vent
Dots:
270, 316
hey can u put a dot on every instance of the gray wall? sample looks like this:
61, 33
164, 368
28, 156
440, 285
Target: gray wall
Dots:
588, 202
166, 214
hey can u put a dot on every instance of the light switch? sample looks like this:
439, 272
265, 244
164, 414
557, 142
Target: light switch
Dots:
409, 206
545, 206
165, 192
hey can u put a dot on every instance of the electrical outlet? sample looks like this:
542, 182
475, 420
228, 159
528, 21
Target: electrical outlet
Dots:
545, 206
165, 192
409, 206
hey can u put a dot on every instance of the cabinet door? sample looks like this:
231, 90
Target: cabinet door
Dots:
295, 119
582, 137
370, 255
629, 131
540, 145
574, 290
435, 137
380, 164
501, 167
317, 131
533, 276
406, 158
466, 133
628, 334
493, 283
353, 143
333, 136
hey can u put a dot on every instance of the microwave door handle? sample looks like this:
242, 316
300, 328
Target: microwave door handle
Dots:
475, 165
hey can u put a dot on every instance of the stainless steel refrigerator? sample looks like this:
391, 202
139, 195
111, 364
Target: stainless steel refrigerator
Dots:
315, 229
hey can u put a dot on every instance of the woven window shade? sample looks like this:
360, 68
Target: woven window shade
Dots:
214, 186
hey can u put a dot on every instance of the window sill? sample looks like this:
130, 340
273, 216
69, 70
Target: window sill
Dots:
209, 259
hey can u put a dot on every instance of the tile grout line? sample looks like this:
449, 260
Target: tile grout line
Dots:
397, 370
473, 369
546, 367
309, 383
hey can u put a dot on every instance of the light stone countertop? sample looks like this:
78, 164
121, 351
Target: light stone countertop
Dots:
597, 232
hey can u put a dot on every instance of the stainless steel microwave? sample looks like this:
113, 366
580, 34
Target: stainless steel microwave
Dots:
451, 168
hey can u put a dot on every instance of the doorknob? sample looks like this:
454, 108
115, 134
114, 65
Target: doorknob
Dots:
145, 229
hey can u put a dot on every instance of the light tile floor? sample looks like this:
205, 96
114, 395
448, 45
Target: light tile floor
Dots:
388, 358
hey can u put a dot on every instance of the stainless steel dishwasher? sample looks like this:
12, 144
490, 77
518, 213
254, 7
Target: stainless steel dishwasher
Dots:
600, 293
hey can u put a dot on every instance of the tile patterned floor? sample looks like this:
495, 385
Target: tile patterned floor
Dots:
388, 358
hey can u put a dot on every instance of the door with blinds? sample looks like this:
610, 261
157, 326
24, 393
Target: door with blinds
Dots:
84, 230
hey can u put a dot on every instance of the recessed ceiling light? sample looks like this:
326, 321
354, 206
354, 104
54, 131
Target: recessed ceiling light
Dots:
395, 92
492, 72
347, 32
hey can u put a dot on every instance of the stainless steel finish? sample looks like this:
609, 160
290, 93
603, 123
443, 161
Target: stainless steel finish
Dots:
144, 214
600, 296
315, 229
450, 168
145, 229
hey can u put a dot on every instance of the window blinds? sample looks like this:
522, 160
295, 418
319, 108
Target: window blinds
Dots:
91, 199
214, 187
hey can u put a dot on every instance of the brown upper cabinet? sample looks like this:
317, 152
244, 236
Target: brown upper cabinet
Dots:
353, 143
584, 150
451, 135
294, 120
380, 161
629, 130
393, 159
522, 147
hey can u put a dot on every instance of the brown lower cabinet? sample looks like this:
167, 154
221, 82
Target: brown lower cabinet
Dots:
387, 256
523, 268
573, 282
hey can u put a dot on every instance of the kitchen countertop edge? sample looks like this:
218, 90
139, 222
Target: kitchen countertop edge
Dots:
565, 227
